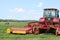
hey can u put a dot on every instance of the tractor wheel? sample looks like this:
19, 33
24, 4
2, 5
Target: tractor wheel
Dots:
36, 31
8, 31
56, 33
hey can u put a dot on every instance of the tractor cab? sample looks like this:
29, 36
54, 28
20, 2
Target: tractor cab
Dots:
50, 13
50, 16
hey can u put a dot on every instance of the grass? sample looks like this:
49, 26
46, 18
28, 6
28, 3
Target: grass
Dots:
5, 36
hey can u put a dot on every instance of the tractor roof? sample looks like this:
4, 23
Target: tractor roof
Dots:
50, 9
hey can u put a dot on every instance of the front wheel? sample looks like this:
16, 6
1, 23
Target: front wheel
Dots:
36, 31
56, 33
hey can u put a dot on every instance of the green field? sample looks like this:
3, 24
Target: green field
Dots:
5, 36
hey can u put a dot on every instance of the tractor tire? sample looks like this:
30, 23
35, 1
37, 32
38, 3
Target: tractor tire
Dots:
36, 31
56, 33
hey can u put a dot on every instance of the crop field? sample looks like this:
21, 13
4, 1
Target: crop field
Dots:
5, 36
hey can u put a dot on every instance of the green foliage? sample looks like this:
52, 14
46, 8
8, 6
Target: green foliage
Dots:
10, 20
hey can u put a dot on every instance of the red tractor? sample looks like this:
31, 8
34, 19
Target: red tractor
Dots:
49, 21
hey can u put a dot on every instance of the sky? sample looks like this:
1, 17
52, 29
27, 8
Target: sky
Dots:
25, 9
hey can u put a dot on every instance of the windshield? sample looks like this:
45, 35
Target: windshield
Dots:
46, 13
52, 13
49, 13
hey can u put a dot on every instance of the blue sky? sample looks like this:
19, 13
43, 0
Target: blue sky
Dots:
25, 9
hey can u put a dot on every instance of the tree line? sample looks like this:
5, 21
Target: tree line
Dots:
7, 20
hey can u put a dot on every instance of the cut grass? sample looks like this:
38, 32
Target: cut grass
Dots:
5, 36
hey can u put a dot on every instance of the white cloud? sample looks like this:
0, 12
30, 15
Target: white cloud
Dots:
40, 4
10, 17
30, 17
17, 10
32, 11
